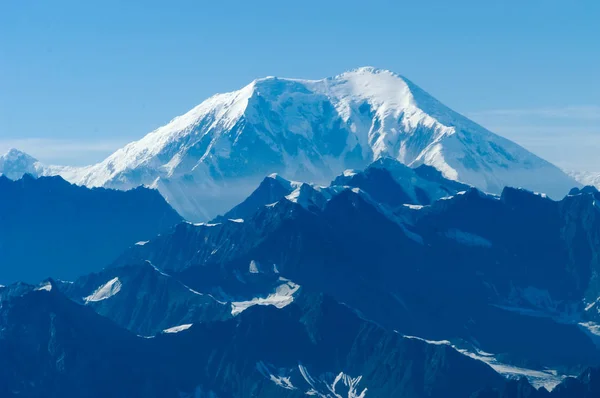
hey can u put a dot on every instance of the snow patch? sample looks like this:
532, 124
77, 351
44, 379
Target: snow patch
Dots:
105, 291
47, 287
280, 380
177, 329
351, 384
547, 378
282, 297
253, 268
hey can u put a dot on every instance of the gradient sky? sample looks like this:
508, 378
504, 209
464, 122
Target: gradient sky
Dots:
79, 79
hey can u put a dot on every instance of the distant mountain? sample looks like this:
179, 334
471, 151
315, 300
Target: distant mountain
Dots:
209, 159
14, 164
49, 227
586, 177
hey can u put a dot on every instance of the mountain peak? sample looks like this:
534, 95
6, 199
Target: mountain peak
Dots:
14, 154
369, 70
312, 130
15, 163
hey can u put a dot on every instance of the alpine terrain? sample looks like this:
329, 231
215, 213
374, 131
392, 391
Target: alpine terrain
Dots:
211, 158
390, 281
349, 237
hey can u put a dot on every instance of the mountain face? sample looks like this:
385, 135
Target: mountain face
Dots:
69, 351
144, 300
49, 227
209, 159
500, 278
390, 281
385, 181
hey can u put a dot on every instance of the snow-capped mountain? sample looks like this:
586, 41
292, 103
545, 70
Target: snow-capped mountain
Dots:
391, 281
15, 163
211, 158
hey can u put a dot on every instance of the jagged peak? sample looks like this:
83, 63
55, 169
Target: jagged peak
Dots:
584, 190
512, 193
283, 181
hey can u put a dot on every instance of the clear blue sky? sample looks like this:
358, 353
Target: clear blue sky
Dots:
80, 78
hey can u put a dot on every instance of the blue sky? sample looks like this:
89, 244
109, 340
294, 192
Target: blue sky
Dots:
80, 78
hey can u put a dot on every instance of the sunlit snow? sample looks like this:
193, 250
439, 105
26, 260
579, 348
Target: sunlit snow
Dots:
105, 291
283, 296
177, 329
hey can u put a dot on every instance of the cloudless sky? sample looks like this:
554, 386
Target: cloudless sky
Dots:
80, 78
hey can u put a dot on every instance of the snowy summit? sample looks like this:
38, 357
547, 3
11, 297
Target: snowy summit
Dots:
210, 158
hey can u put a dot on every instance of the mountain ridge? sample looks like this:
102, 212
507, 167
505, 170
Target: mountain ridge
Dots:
210, 158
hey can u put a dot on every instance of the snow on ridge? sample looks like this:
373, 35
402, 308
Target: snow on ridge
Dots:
253, 268
280, 380
46, 286
282, 297
177, 329
547, 378
105, 291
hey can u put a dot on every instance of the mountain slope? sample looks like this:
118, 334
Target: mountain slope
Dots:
50, 346
210, 158
49, 227
452, 270
143, 300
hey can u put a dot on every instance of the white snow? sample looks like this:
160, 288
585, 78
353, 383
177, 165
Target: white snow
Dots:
413, 207
46, 286
383, 114
282, 297
306, 375
546, 377
15, 163
280, 380
177, 329
586, 177
592, 327
351, 384
105, 291
538, 378
253, 268
142, 242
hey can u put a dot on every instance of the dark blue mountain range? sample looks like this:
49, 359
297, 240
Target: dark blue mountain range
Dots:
390, 282
49, 227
